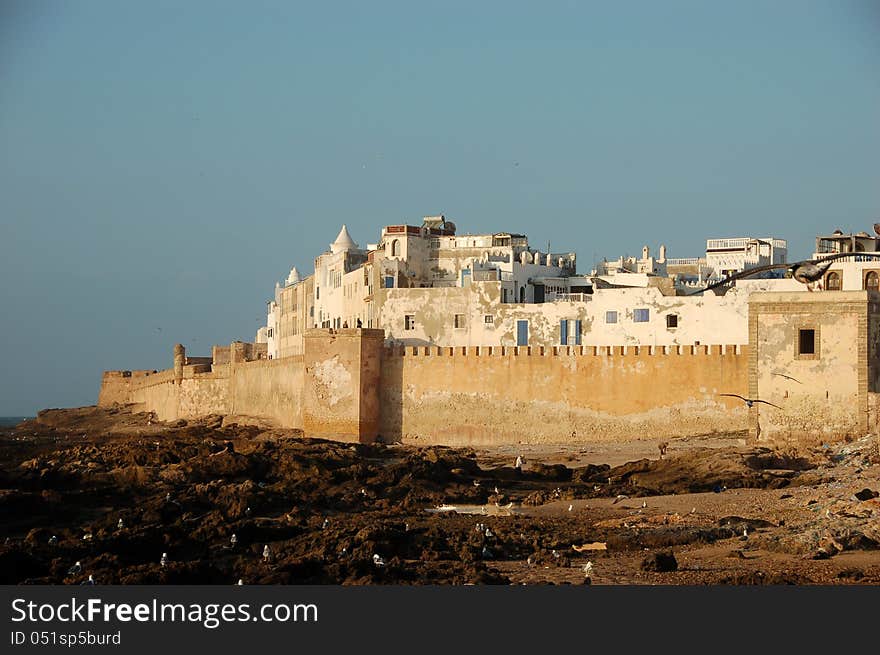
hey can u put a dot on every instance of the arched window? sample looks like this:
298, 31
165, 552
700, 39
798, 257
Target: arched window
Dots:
872, 281
832, 281
395, 248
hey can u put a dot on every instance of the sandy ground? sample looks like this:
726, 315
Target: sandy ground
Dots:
712, 511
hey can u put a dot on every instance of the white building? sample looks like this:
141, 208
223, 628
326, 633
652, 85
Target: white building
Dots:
850, 273
727, 256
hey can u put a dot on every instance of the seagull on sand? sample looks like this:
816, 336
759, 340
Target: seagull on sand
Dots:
90, 581
476, 483
233, 540
644, 504
588, 569
164, 560
325, 524
378, 561
619, 498
240, 582
749, 401
53, 540
267, 554
570, 506
120, 524
76, 568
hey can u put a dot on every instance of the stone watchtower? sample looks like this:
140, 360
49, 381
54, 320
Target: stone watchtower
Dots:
179, 361
340, 393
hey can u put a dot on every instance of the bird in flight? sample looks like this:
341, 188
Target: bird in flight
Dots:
749, 401
788, 377
806, 272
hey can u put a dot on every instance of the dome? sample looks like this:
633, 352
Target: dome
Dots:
293, 278
343, 242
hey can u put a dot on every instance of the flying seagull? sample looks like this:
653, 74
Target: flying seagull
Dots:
805, 272
788, 377
619, 498
749, 401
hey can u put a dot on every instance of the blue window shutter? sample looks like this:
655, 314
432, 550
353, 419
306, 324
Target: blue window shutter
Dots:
577, 332
522, 333
563, 332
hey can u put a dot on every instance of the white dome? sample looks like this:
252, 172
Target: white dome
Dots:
293, 278
343, 242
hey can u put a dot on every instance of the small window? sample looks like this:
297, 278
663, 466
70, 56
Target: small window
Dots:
458, 321
269, 333
409, 322
806, 342
488, 319
872, 281
641, 315
832, 281
672, 320
611, 317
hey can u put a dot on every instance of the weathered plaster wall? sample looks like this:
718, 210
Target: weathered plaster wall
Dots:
339, 392
701, 318
503, 395
829, 398
158, 393
268, 389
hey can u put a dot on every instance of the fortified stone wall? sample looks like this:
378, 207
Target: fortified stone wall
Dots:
269, 389
508, 394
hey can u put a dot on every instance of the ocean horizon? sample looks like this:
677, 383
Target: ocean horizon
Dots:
9, 421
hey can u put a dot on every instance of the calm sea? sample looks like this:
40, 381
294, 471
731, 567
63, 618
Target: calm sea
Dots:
8, 421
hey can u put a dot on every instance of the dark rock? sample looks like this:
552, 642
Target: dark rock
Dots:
660, 562
866, 494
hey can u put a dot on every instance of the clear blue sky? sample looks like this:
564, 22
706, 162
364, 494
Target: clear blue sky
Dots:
163, 163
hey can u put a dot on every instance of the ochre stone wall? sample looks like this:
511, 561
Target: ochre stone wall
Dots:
340, 398
269, 389
829, 397
507, 395
266, 389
